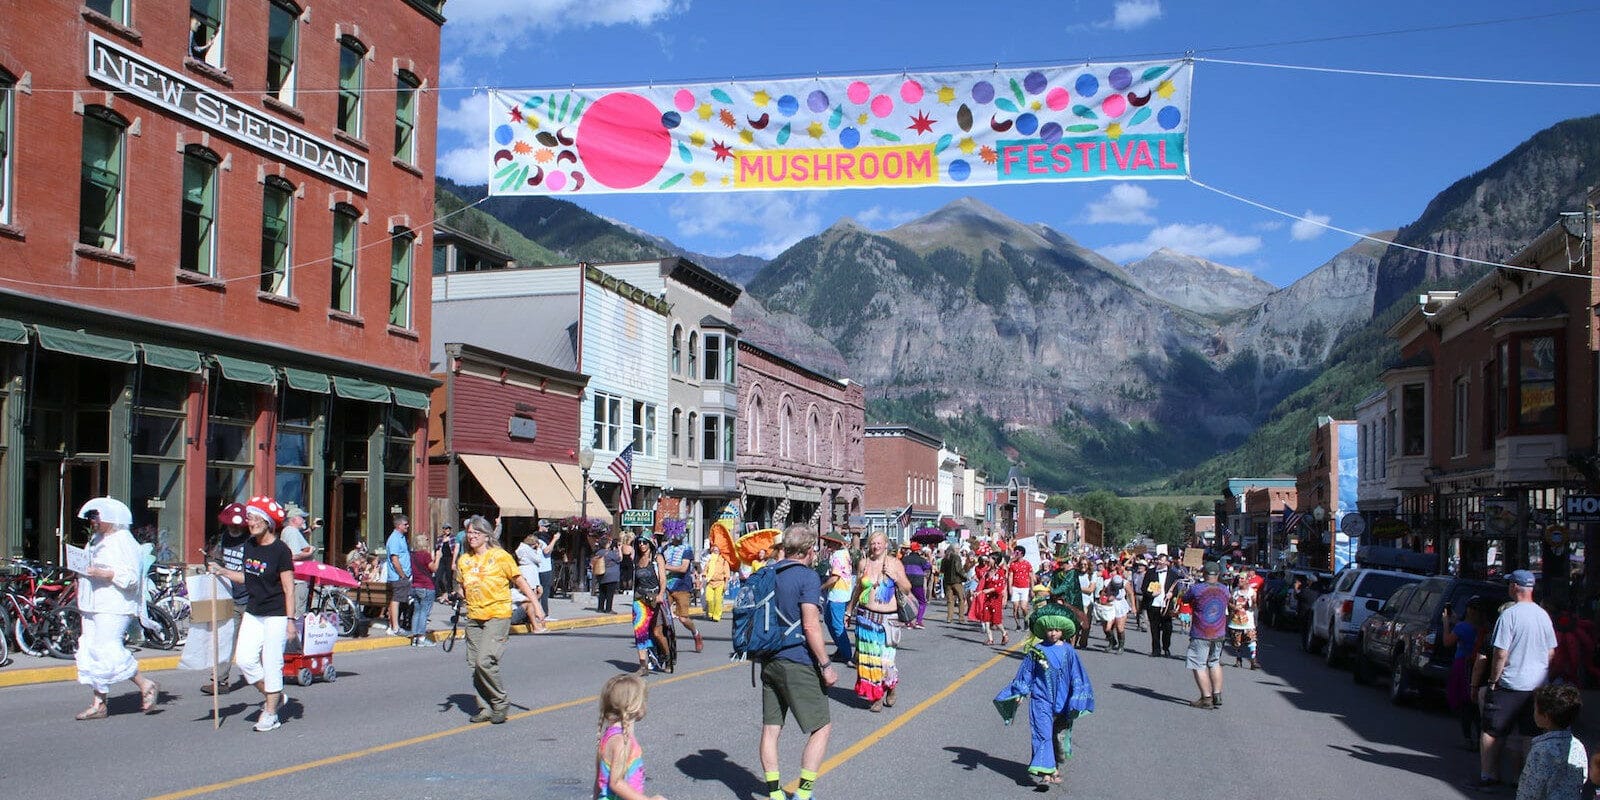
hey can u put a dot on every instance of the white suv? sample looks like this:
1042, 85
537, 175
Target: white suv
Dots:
1336, 617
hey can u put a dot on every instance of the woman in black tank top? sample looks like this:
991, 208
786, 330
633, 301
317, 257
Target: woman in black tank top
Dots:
649, 595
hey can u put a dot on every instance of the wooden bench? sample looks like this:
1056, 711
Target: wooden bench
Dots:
372, 595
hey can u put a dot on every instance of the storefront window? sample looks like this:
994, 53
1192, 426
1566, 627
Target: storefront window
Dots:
230, 444
293, 477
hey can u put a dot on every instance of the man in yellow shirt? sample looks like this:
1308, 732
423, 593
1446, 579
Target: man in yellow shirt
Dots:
485, 575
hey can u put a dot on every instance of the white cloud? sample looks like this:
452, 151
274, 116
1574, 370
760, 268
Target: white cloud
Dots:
490, 27
452, 73
1310, 227
762, 223
467, 123
1129, 14
1125, 203
1203, 240
879, 218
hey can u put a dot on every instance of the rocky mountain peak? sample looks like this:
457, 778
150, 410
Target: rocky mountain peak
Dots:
1204, 287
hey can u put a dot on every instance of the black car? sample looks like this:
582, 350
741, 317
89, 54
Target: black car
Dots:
1289, 595
1404, 637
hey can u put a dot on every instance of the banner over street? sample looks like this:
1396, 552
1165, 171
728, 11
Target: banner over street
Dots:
1050, 124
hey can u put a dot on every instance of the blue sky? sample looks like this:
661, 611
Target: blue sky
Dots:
1363, 153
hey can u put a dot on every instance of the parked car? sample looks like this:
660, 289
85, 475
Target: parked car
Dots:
1336, 617
1286, 607
1404, 641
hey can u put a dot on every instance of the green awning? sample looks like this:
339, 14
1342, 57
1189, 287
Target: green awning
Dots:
305, 380
173, 358
12, 332
88, 345
411, 399
357, 389
238, 369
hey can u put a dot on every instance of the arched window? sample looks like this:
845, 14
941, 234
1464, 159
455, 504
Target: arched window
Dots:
785, 430
342, 291
197, 242
677, 431
836, 442
277, 223
813, 432
694, 355
691, 434
352, 81
753, 416
100, 190
677, 353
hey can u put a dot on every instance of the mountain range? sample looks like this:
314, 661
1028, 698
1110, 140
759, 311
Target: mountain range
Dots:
1019, 345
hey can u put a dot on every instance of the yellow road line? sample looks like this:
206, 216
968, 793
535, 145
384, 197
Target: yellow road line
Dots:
425, 738
838, 759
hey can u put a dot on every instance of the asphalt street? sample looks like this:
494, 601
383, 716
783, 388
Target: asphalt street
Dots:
395, 725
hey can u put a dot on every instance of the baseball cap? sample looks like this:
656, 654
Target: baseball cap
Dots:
1213, 568
293, 510
1521, 578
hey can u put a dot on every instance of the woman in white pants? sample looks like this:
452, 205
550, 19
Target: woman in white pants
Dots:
268, 574
109, 597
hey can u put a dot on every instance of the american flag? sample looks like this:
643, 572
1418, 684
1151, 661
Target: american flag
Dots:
905, 517
622, 467
1291, 518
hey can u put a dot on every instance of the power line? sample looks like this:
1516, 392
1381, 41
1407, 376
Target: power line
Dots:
1410, 75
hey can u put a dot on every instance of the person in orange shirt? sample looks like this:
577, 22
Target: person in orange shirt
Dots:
485, 574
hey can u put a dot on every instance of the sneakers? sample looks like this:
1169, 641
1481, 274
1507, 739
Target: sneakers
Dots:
485, 716
1216, 700
426, 642
497, 719
1204, 702
268, 722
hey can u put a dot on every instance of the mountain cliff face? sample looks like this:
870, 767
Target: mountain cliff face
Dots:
1492, 213
1201, 286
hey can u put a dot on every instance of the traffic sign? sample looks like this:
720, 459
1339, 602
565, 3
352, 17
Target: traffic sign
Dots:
639, 518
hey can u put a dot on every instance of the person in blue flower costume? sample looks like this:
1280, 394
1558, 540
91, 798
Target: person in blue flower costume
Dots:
1057, 687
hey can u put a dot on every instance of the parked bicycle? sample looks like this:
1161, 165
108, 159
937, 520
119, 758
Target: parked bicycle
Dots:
326, 598
66, 625
29, 594
169, 593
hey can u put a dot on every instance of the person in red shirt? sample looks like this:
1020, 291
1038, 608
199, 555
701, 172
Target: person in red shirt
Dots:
1021, 585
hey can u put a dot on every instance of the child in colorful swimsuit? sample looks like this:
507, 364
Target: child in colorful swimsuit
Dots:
619, 760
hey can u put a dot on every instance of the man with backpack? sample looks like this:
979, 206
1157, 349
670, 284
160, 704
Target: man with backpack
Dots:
795, 670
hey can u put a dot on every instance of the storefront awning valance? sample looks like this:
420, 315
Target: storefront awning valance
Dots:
357, 389
305, 380
540, 482
765, 489
410, 399
13, 332
497, 482
173, 358
238, 369
805, 494
572, 478
87, 345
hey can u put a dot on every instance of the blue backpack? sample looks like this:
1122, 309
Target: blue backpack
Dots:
760, 628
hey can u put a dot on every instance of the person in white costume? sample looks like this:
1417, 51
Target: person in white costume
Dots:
110, 592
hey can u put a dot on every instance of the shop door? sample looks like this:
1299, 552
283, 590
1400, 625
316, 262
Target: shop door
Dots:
348, 509
50, 510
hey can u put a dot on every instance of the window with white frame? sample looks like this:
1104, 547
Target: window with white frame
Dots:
114, 10
205, 31
342, 294
197, 230
727, 438
690, 434
644, 428
100, 188
677, 432
677, 349
277, 218
405, 116
400, 253
8, 89
352, 77
711, 437
694, 355
607, 426
283, 47
713, 360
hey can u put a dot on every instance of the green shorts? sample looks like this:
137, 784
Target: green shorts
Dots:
791, 686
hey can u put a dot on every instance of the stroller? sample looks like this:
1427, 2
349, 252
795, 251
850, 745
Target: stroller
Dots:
664, 662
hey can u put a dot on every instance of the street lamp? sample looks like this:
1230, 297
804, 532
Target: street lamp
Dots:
585, 461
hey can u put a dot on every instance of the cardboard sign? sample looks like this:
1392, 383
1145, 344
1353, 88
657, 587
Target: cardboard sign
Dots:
1161, 549
1194, 558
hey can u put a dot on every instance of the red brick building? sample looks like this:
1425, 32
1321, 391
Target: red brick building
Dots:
801, 453
902, 473
211, 219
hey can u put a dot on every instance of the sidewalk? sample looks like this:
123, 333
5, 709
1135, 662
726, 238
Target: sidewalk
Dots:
568, 613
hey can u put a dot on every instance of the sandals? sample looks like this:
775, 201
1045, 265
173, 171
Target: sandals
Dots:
96, 711
149, 696
1004, 639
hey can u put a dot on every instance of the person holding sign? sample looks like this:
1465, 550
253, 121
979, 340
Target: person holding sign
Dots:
110, 592
268, 577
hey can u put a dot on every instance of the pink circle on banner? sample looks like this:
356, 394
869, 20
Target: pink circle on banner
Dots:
858, 92
911, 92
684, 99
556, 181
621, 142
882, 105
1057, 99
1114, 105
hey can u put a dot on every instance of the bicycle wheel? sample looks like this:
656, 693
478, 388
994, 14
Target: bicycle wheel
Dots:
164, 636
349, 615
27, 633
176, 607
61, 630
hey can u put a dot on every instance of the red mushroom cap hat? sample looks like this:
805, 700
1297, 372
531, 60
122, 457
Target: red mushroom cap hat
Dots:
267, 509
232, 514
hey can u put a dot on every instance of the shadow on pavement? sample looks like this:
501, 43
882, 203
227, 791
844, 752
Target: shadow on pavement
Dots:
714, 765
969, 759
1150, 693
462, 702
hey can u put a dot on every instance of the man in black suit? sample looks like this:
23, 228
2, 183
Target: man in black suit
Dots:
1156, 598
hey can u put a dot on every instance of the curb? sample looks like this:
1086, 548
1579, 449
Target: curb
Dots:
383, 641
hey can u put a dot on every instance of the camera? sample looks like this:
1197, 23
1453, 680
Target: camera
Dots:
316, 523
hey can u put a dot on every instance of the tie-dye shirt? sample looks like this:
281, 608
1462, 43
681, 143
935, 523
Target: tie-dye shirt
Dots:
634, 776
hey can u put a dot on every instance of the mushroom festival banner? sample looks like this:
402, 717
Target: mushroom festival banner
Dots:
1049, 124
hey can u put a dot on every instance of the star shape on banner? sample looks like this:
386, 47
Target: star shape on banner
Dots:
516, 114
723, 151
704, 112
1165, 89
815, 129
921, 123
947, 95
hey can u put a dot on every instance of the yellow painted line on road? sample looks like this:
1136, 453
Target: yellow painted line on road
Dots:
416, 740
903, 719
377, 641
